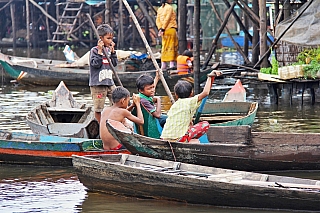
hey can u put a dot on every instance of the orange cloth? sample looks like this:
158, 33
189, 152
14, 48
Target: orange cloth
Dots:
166, 19
182, 65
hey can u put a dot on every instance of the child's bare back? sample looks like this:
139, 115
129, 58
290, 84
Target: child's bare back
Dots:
118, 112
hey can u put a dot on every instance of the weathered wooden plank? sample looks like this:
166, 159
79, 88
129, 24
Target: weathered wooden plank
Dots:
229, 134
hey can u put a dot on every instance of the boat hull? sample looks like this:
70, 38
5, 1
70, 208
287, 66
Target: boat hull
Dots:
40, 150
191, 186
232, 147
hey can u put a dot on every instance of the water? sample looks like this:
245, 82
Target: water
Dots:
47, 189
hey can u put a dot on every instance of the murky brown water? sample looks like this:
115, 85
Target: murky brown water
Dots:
34, 189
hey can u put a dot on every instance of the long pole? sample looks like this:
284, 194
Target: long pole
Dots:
104, 50
159, 71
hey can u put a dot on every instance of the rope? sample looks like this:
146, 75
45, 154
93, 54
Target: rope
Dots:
175, 159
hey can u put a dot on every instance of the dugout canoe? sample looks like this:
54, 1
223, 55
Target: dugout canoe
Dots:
231, 147
63, 116
47, 72
137, 176
46, 150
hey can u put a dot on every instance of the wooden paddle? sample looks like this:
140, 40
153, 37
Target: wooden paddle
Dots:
104, 51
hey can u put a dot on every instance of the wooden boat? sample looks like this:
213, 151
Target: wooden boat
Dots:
63, 116
232, 147
132, 175
50, 72
44, 150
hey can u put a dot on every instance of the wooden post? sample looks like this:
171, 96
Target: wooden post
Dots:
196, 46
255, 38
28, 27
47, 23
120, 43
108, 6
246, 37
263, 31
13, 25
159, 71
182, 25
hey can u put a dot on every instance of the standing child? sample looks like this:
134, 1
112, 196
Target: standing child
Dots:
146, 87
101, 82
179, 126
119, 112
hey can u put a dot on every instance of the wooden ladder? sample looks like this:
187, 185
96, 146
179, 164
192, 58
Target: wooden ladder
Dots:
67, 23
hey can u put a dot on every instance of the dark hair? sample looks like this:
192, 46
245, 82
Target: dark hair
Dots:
183, 89
119, 93
104, 29
163, 2
187, 53
143, 81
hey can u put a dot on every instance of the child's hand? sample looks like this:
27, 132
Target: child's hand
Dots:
111, 47
214, 73
156, 99
136, 99
100, 45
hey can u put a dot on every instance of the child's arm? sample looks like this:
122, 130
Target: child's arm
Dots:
157, 113
95, 58
207, 87
139, 118
113, 56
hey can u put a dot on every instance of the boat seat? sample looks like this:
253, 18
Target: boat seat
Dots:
151, 127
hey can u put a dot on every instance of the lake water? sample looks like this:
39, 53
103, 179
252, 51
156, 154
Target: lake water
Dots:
47, 189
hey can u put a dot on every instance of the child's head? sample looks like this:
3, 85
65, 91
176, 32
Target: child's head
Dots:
145, 85
121, 94
183, 89
187, 53
105, 33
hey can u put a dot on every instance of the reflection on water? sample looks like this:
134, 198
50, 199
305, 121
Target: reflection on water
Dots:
33, 189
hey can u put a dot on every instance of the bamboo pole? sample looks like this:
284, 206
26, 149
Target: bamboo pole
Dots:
263, 31
6, 5
159, 71
104, 51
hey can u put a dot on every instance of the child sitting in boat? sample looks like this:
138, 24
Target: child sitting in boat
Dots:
179, 126
184, 63
119, 111
146, 87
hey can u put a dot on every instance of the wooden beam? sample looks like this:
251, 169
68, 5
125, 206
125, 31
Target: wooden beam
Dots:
43, 11
263, 31
13, 22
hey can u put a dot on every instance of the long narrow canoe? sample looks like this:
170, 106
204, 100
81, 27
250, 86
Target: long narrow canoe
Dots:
43, 150
50, 72
232, 147
133, 175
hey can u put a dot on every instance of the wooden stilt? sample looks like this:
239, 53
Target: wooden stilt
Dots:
182, 23
196, 47
13, 25
263, 31
28, 27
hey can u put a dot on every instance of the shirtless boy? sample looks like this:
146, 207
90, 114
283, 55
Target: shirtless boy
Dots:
119, 112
